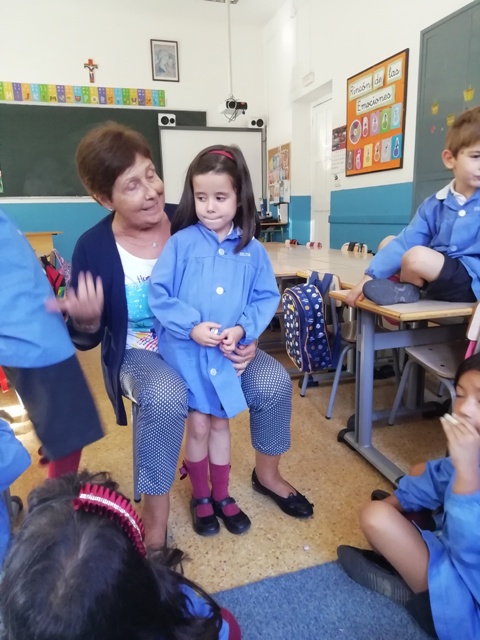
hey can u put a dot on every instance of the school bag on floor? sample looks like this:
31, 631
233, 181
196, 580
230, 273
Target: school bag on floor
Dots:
308, 344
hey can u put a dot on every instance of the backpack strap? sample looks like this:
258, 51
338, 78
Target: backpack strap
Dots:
323, 285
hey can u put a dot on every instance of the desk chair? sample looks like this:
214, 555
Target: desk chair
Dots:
441, 360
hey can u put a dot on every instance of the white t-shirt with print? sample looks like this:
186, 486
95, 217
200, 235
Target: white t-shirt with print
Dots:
140, 331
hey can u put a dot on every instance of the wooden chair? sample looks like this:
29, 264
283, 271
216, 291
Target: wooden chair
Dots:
441, 360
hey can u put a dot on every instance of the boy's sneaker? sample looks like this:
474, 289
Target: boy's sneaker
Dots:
384, 292
374, 572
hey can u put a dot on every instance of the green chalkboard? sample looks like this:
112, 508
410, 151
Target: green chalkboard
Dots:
38, 143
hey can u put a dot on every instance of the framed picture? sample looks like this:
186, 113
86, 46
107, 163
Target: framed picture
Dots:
165, 60
376, 104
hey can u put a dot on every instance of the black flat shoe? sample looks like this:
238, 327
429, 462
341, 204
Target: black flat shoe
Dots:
239, 523
379, 494
295, 505
205, 525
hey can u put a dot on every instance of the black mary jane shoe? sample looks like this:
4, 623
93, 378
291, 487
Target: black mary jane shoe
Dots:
296, 505
203, 525
237, 524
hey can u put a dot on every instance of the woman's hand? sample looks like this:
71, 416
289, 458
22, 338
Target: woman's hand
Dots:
464, 449
241, 356
206, 334
84, 306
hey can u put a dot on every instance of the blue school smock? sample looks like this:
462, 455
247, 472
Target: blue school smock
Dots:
454, 564
442, 224
30, 336
198, 279
200, 607
14, 459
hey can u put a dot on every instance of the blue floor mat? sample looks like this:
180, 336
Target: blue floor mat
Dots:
316, 604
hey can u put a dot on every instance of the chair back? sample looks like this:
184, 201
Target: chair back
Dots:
473, 333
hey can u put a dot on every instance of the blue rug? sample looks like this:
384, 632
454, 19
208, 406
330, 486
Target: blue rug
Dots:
316, 604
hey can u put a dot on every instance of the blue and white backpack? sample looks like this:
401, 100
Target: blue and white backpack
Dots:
307, 342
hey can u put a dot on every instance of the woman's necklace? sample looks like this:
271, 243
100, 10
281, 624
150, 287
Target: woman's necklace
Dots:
138, 244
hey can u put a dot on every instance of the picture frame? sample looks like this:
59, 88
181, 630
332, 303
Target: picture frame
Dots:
164, 55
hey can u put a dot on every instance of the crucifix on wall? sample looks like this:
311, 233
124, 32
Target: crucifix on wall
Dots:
91, 66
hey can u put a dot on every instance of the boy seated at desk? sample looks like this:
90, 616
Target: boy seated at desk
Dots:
437, 256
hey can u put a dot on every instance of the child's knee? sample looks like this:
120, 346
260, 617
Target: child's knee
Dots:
373, 516
383, 243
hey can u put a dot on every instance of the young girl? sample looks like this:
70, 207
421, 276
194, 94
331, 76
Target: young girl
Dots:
440, 570
212, 288
78, 569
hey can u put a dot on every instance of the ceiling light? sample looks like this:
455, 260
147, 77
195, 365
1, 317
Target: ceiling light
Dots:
223, 1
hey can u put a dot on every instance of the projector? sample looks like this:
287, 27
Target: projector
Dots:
231, 106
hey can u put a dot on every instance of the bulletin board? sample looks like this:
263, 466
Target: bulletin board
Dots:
279, 174
376, 103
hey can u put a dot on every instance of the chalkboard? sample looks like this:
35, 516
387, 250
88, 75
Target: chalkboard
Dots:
38, 143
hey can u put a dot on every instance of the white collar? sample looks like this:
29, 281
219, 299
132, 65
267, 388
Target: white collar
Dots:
443, 193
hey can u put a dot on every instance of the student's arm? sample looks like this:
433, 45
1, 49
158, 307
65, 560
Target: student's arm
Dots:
419, 232
427, 490
176, 316
263, 302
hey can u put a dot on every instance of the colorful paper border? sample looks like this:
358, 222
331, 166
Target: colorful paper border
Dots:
68, 94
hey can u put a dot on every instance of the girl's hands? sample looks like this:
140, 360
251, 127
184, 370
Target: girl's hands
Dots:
230, 338
83, 306
241, 356
206, 334
464, 449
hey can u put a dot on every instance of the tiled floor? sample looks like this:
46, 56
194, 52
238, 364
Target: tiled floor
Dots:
335, 478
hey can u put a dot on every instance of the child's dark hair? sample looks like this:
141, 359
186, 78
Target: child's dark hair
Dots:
464, 132
73, 575
210, 160
470, 364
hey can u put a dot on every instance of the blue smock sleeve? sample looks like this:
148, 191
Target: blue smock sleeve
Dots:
174, 315
199, 607
428, 490
462, 517
388, 260
263, 302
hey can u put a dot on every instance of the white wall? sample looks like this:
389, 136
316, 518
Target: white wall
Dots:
336, 40
47, 41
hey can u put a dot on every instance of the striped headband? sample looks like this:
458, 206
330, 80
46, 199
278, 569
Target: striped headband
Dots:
220, 152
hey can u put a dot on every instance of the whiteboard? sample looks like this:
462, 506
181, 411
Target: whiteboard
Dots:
180, 145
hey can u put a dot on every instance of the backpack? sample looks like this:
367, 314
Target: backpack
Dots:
307, 342
56, 279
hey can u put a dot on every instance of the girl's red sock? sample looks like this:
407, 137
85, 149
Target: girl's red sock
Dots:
67, 464
198, 473
219, 474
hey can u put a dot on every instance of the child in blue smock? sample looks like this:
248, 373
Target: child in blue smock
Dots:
436, 574
438, 254
78, 568
212, 288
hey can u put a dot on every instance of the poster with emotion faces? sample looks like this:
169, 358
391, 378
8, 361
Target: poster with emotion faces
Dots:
376, 104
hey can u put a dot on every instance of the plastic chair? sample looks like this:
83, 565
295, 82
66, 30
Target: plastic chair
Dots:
441, 360
354, 247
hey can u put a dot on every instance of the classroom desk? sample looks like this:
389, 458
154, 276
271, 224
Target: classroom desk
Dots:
359, 436
41, 241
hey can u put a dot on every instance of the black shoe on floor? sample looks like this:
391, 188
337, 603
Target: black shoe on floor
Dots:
203, 525
238, 523
295, 505
384, 292
379, 494
374, 572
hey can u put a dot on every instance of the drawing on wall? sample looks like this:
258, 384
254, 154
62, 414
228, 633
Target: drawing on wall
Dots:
339, 153
165, 60
376, 103
279, 174
68, 94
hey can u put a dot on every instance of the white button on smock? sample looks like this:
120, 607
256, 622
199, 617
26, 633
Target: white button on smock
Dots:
219, 290
213, 372
462, 213
453, 247
221, 252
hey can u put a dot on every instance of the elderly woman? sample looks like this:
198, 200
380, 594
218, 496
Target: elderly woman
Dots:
107, 304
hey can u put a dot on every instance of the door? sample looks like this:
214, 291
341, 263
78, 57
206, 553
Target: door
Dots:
321, 171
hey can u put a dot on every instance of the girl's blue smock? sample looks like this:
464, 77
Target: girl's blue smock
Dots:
454, 565
30, 336
199, 279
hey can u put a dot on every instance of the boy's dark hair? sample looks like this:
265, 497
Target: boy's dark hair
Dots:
72, 575
105, 153
470, 364
206, 162
464, 132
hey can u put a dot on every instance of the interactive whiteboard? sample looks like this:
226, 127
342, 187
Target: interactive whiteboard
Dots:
179, 146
